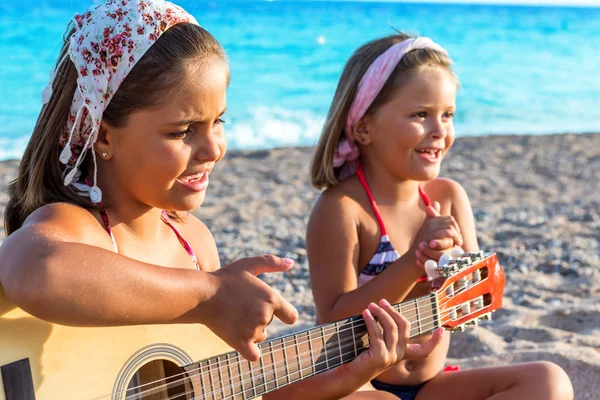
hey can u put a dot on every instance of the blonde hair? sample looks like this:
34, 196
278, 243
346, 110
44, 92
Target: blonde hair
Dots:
163, 67
322, 173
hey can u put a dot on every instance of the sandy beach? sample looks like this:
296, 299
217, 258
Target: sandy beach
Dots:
536, 200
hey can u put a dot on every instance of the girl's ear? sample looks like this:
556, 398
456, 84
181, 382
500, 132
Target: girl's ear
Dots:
105, 142
361, 132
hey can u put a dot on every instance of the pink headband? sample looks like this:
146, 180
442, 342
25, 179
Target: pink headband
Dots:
369, 87
109, 40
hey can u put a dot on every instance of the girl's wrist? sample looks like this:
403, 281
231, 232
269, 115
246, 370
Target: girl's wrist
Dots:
411, 263
351, 378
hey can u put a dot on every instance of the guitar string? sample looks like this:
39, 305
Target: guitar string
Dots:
260, 369
330, 328
357, 324
296, 343
233, 386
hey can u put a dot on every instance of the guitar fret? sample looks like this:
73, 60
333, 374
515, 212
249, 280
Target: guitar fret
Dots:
435, 310
273, 358
230, 372
354, 338
239, 365
221, 382
262, 372
312, 356
337, 331
324, 347
202, 384
418, 320
298, 355
285, 361
210, 379
253, 385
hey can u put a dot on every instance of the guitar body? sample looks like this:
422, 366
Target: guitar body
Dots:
86, 363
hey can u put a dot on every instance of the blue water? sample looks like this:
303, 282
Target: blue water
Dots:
522, 69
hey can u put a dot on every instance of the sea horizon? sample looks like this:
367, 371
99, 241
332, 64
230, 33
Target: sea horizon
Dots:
523, 69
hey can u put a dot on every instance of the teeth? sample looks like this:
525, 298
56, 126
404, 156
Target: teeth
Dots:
193, 178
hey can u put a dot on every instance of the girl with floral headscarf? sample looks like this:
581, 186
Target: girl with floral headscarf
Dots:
98, 223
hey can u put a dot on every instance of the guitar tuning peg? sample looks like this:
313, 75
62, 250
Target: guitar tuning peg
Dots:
430, 269
455, 253
445, 259
486, 317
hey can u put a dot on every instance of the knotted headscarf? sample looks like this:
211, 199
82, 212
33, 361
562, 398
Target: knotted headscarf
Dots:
109, 40
370, 85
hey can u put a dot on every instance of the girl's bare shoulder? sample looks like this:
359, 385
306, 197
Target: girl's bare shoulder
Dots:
344, 198
448, 192
64, 222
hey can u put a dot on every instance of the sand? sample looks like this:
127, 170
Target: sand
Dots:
536, 200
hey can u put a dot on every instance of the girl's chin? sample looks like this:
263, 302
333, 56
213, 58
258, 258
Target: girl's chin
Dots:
187, 203
429, 174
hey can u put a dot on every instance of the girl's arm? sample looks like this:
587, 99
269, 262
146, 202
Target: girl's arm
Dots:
52, 271
333, 252
386, 348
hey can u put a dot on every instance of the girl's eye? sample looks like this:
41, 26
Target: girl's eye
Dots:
180, 135
449, 114
220, 121
421, 114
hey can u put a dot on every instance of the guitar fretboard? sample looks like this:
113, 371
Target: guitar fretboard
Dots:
291, 358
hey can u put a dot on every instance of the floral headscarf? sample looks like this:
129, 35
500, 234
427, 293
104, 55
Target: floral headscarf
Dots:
109, 40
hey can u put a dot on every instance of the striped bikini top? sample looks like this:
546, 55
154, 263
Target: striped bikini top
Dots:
386, 253
165, 218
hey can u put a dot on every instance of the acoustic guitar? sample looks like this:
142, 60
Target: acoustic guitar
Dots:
41, 360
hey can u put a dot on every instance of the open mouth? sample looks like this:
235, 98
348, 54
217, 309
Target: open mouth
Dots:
432, 154
196, 182
192, 178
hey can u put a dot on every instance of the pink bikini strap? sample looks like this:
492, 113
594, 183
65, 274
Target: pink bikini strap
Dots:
184, 243
424, 197
104, 217
363, 182
167, 220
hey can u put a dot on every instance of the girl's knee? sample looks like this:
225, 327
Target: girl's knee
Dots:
553, 379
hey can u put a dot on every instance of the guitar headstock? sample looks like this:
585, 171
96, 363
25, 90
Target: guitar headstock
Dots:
468, 289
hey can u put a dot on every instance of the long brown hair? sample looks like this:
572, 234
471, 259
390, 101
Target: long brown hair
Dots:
165, 65
322, 172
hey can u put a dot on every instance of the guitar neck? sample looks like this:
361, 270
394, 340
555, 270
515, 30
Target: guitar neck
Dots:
298, 356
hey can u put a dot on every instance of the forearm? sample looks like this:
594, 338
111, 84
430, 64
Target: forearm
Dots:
333, 384
99, 288
393, 284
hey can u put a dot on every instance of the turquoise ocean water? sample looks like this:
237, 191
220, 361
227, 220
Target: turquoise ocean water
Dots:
532, 70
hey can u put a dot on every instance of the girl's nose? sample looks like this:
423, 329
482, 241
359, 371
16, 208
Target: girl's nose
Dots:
211, 147
440, 129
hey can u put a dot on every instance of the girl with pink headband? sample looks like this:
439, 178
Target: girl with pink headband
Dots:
385, 212
98, 222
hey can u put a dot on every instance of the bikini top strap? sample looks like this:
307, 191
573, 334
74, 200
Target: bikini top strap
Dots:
108, 229
184, 243
361, 177
424, 197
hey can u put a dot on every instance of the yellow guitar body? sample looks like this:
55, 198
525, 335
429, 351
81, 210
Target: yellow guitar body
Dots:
88, 363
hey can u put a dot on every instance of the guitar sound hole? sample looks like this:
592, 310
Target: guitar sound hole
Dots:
159, 380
